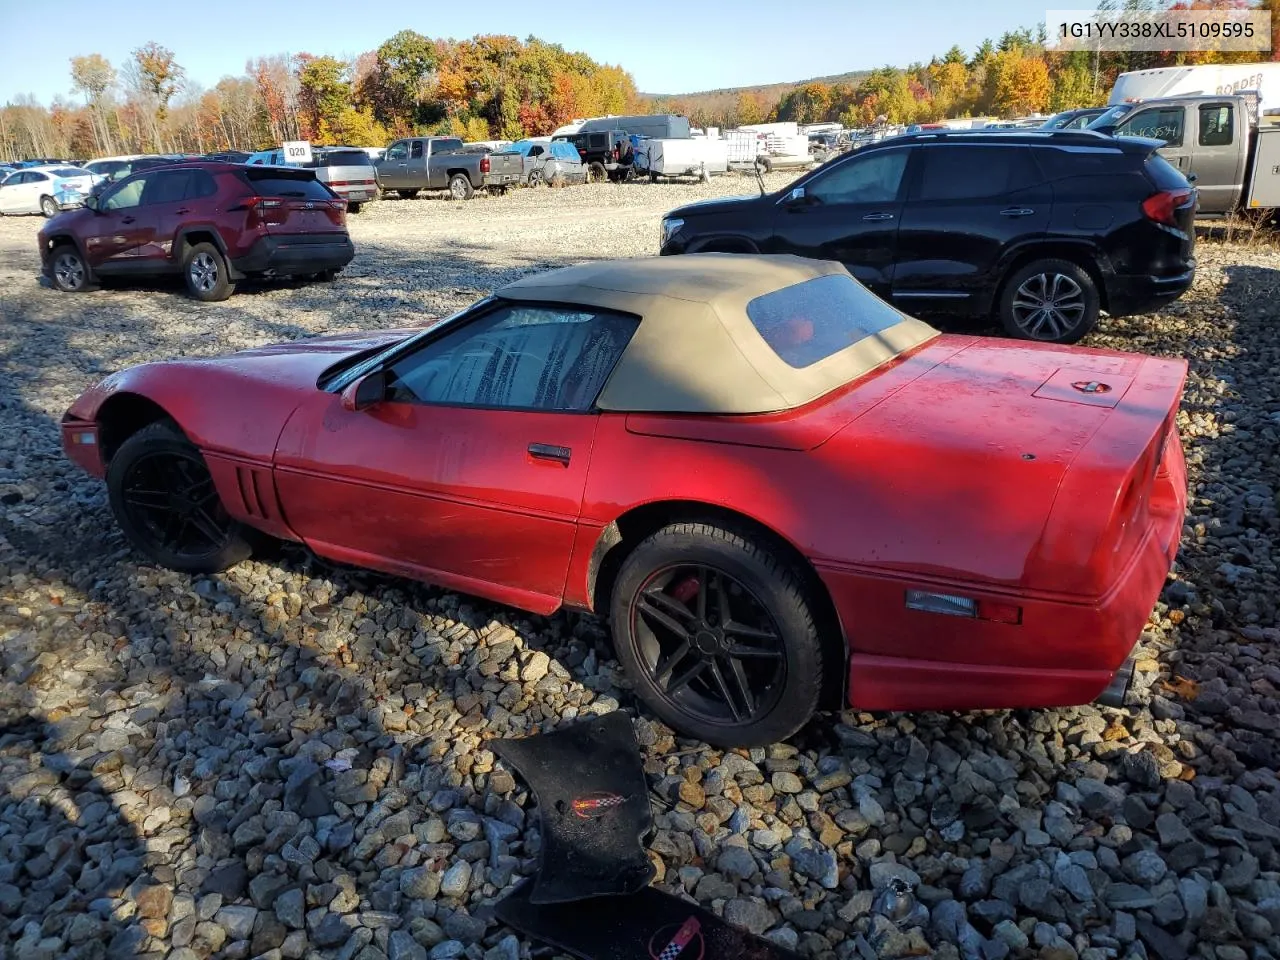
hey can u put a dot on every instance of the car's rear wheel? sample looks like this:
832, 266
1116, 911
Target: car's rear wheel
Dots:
1053, 301
460, 187
353, 208
407, 194
69, 273
205, 271
49, 206
596, 173
718, 635
164, 499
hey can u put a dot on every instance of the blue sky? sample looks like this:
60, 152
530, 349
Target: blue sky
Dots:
668, 47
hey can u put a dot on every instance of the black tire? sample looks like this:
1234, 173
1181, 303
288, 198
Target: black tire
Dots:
653, 177
178, 535
324, 276
407, 194
460, 187
353, 208
49, 207
1062, 283
204, 269
596, 172
69, 272
766, 165
782, 686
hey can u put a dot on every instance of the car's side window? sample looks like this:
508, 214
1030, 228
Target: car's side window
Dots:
397, 151
872, 178
521, 357
200, 184
14, 179
168, 186
128, 194
959, 172
1215, 124
1160, 123
415, 151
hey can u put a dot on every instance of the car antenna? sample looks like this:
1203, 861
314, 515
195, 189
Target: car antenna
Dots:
759, 177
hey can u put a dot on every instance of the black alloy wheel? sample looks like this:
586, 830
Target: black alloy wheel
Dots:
710, 646
165, 501
716, 631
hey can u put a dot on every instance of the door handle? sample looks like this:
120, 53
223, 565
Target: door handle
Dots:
1017, 212
183, 210
878, 216
550, 451
126, 219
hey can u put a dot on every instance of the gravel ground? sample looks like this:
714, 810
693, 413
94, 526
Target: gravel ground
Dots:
288, 760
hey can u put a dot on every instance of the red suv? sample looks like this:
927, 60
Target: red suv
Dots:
215, 222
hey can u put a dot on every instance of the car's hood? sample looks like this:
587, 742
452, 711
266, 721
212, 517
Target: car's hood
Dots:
717, 205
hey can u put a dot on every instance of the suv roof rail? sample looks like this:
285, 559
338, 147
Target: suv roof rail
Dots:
1090, 137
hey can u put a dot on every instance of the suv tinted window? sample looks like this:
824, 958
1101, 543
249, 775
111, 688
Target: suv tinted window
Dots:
810, 321
200, 184
518, 357
415, 150
959, 172
1160, 123
168, 186
342, 158
1215, 124
447, 145
870, 178
1059, 163
269, 183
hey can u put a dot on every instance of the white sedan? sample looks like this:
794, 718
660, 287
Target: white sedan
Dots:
45, 189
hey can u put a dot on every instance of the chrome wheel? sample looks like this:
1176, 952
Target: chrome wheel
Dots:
68, 270
711, 648
535, 178
1048, 306
458, 189
203, 271
49, 207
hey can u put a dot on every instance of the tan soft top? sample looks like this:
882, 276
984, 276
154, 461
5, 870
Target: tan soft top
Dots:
696, 350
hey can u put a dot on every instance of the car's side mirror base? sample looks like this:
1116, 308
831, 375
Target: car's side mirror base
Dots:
365, 392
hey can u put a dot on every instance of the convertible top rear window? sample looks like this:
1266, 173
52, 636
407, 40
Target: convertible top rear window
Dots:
810, 321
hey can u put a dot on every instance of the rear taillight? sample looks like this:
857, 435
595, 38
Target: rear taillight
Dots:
339, 183
261, 209
484, 164
1161, 206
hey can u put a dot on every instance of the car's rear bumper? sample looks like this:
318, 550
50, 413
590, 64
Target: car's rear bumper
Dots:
298, 253
1128, 295
503, 179
1061, 653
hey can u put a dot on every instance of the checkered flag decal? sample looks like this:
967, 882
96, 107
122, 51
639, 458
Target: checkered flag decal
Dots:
681, 940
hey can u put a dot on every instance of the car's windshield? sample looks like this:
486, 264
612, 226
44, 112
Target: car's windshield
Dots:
343, 373
1112, 116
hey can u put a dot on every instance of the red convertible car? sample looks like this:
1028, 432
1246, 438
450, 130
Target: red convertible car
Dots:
777, 487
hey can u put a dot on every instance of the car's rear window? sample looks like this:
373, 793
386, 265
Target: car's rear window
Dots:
1164, 174
343, 158
70, 172
271, 183
808, 322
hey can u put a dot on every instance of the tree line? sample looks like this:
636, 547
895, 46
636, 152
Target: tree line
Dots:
486, 87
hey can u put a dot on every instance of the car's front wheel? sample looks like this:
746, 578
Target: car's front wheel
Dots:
718, 635
165, 501
1053, 301
205, 270
69, 273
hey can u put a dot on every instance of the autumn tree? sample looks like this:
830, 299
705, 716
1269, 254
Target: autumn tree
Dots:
94, 76
158, 76
399, 85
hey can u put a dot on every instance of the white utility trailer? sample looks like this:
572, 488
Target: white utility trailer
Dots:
694, 157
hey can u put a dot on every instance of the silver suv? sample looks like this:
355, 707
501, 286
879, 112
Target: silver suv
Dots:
347, 171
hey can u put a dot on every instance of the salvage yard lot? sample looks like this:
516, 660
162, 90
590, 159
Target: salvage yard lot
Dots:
164, 739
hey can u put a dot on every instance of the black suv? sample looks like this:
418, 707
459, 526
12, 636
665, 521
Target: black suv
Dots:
1041, 228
